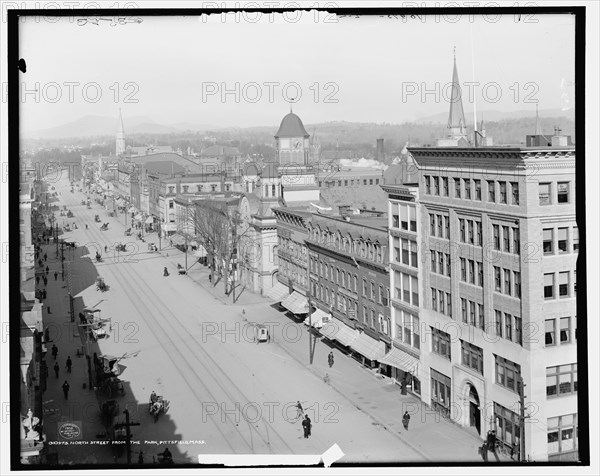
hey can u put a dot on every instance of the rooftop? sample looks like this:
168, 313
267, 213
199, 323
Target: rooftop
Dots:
291, 126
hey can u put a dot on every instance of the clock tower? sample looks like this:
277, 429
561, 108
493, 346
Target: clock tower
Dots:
292, 142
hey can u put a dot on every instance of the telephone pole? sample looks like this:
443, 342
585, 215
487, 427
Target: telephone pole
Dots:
522, 419
127, 425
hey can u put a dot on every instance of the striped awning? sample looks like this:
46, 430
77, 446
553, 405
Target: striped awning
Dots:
278, 292
365, 345
336, 329
296, 303
401, 360
316, 319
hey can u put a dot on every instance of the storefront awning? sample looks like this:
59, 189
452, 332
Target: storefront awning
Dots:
149, 220
177, 239
296, 303
138, 217
401, 360
278, 292
365, 345
336, 329
317, 318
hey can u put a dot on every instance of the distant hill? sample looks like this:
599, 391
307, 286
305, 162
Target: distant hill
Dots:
492, 115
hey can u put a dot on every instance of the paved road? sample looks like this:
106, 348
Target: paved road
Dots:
234, 395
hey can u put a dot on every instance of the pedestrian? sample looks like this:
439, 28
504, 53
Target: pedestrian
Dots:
37, 280
406, 420
54, 351
306, 426
491, 441
69, 364
44, 293
330, 359
141, 458
66, 388
47, 334
45, 257
300, 410
56, 369
45, 281
483, 451
55, 275
47, 270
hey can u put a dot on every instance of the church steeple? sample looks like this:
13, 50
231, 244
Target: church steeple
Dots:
457, 126
120, 144
538, 127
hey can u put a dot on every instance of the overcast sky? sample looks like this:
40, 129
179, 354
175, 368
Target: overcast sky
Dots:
368, 69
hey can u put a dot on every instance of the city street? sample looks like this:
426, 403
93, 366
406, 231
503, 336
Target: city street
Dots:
226, 394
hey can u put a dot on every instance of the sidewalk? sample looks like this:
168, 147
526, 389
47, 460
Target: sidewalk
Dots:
434, 437
82, 405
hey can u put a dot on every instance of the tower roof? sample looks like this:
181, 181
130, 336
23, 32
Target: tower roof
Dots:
457, 114
121, 129
291, 126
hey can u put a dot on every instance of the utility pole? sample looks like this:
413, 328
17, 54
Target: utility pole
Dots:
233, 255
56, 235
126, 425
71, 300
62, 259
310, 344
522, 418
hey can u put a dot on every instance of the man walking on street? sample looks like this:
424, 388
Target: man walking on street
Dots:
55, 275
306, 426
45, 281
54, 351
69, 364
406, 420
47, 270
330, 359
37, 280
66, 388
299, 409
56, 369
45, 257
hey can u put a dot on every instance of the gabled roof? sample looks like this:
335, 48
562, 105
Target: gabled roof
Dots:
291, 126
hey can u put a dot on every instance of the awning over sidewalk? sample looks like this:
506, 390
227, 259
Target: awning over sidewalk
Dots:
316, 319
401, 360
336, 329
365, 345
149, 220
138, 217
278, 292
177, 239
296, 303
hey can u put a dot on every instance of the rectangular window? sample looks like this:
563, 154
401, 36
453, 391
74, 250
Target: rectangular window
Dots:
449, 304
549, 286
514, 186
496, 231
433, 261
563, 192
503, 198
575, 239
447, 227
518, 330
448, 267
432, 224
434, 299
461, 224
498, 323
413, 254
441, 391
517, 280
440, 262
397, 250
457, 188
562, 240
561, 380
516, 241
548, 241
507, 374
479, 233
491, 191
507, 326
479, 274
415, 290
562, 435
445, 186
436, 185
472, 356
471, 231
468, 189
405, 251
563, 284
506, 238
440, 343
477, 189
464, 311
471, 271
364, 284
497, 279
565, 330
412, 217
507, 282
441, 302
472, 315
550, 332
544, 193
440, 226
403, 217
427, 184
508, 429
463, 269
481, 316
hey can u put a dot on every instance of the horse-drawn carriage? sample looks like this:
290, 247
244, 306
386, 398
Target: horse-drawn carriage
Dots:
128, 232
99, 257
120, 247
101, 285
152, 247
70, 214
97, 218
104, 227
181, 269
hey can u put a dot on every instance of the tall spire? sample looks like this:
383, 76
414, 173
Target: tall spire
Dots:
120, 144
456, 118
538, 127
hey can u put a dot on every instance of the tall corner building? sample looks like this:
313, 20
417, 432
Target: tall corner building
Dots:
483, 273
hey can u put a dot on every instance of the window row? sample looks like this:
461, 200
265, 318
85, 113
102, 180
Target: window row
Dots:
376, 320
507, 281
375, 292
407, 329
363, 248
560, 240
407, 288
508, 374
470, 231
563, 434
404, 216
348, 182
472, 356
559, 331
564, 285
471, 271
441, 302
470, 189
508, 326
472, 313
550, 193
439, 226
561, 380
440, 343
506, 239
440, 263
441, 393
405, 252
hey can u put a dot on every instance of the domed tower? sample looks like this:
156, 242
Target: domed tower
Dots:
292, 142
